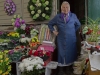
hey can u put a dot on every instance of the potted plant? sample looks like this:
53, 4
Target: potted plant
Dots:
92, 30
5, 66
31, 66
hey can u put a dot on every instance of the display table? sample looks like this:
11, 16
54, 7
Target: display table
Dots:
93, 72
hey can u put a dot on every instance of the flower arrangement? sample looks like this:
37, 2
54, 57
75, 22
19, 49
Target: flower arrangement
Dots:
3, 35
13, 34
34, 32
14, 55
5, 66
40, 10
25, 41
92, 30
9, 7
34, 43
44, 54
19, 24
31, 66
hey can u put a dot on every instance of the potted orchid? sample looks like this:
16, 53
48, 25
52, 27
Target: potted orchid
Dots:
31, 66
19, 24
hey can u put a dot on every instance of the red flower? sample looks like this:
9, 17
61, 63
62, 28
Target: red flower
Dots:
48, 53
30, 52
36, 53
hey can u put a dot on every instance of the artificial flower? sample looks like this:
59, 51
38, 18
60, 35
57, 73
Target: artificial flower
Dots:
37, 8
9, 7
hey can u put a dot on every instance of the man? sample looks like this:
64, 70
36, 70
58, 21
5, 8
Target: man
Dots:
67, 24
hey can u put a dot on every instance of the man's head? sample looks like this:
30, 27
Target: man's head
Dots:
65, 7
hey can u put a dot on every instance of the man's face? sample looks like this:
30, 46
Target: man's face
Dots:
65, 8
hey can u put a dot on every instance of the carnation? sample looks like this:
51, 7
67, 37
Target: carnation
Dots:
32, 12
39, 11
47, 2
43, 14
46, 8
39, 4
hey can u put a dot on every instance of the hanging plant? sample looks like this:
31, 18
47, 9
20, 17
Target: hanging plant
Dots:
9, 7
40, 10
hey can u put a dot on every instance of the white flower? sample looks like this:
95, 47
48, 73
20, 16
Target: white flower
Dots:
12, 20
39, 4
21, 67
47, 8
15, 28
18, 16
29, 68
13, 23
32, 12
23, 26
29, 63
15, 16
37, 15
39, 66
39, 11
47, 2
43, 15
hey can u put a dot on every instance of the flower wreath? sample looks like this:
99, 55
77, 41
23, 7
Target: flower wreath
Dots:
40, 10
9, 7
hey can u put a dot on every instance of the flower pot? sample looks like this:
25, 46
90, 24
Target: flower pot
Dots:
92, 43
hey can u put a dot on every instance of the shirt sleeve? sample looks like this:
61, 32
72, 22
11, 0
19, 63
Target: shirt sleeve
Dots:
52, 23
77, 23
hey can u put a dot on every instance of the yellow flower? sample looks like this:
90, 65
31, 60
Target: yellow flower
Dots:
6, 73
6, 59
0, 71
9, 67
1, 56
3, 74
1, 61
6, 51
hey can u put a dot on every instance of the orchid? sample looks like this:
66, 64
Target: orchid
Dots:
19, 24
9, 7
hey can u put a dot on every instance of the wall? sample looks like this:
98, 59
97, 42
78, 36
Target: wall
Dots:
21, 9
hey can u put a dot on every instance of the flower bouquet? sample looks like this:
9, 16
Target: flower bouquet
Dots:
41, 53
31, 66
19, 24
92, 30
34, 43
5, 66
34, 32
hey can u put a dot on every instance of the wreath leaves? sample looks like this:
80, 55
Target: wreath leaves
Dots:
40, 10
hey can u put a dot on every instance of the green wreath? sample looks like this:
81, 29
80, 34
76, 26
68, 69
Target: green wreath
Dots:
40, 10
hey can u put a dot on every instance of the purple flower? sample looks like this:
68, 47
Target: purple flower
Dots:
23, 22
8, 6
11, 51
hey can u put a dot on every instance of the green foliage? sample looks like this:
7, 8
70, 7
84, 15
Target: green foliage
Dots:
94, 26
40, 10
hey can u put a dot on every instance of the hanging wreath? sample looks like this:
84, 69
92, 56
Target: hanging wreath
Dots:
40, 10
9, 7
